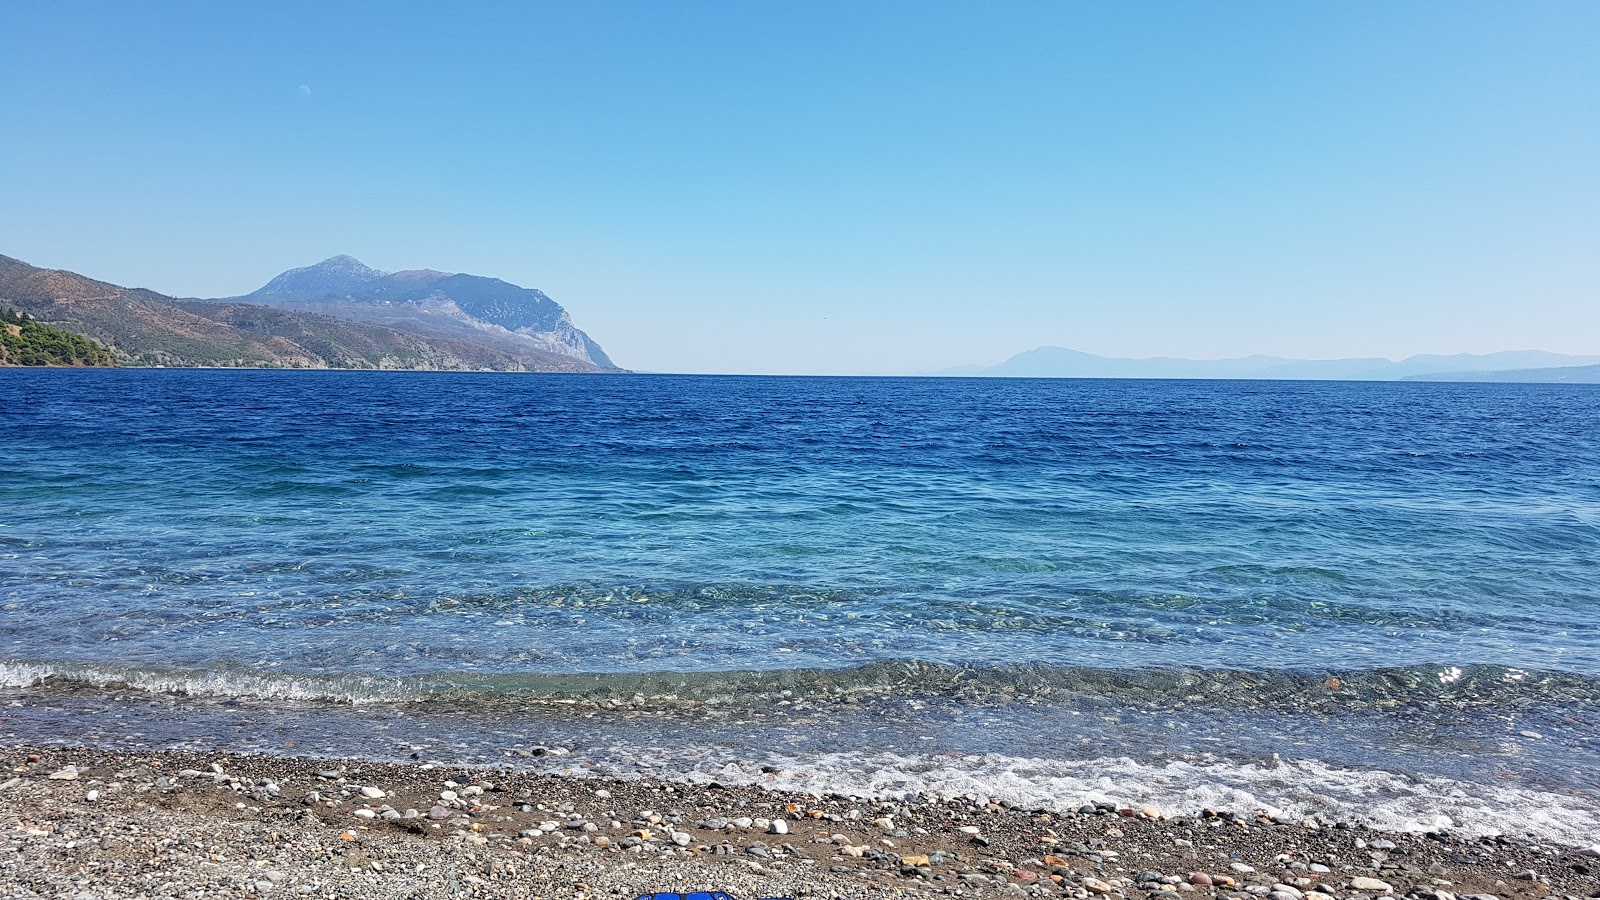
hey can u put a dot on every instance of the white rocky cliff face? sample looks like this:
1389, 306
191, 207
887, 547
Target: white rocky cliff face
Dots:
436, 304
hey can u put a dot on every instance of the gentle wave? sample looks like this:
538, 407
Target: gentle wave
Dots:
1442, 686
1335, 768
350, 689
1302, 788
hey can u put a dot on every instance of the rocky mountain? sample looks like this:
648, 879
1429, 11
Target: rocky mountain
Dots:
432, 304
143, 328
1060, 362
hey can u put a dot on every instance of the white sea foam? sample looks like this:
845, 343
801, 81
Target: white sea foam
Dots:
18, 675
1301, 787
1307, 788
354, 689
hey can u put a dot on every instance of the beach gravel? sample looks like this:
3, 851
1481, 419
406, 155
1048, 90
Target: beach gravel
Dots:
185, 825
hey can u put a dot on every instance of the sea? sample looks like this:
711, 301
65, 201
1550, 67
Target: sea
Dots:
1372, 603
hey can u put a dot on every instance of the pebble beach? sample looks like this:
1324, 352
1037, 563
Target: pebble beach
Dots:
86, 824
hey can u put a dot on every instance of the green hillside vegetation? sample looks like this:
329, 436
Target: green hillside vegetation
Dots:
25, 342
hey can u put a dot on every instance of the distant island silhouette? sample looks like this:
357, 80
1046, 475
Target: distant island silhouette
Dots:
1511, 365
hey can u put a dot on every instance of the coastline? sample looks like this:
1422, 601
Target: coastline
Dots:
89, 822
1390, 772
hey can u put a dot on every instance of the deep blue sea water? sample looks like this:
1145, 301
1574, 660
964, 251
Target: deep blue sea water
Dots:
1364, 600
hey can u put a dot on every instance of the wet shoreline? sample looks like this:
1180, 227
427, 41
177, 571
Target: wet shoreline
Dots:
123, 822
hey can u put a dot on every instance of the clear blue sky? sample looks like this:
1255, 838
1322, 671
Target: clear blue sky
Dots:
844, 187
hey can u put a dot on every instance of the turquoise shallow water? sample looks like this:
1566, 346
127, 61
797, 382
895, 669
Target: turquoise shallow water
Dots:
1398, 578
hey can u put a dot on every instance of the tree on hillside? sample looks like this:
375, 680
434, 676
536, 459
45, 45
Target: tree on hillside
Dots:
25, 342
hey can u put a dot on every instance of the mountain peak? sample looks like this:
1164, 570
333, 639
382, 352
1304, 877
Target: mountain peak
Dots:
335, 276
343, 261
346, 266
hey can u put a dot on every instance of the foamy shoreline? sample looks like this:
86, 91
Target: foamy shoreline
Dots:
1042, 757
137, 823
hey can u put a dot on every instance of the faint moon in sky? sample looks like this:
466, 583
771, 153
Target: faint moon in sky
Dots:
305, 90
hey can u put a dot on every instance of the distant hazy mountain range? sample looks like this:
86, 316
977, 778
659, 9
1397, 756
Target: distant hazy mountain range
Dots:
1553, 375
1516, 365
315, 318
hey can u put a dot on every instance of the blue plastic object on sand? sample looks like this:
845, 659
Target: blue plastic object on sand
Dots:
695, 895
